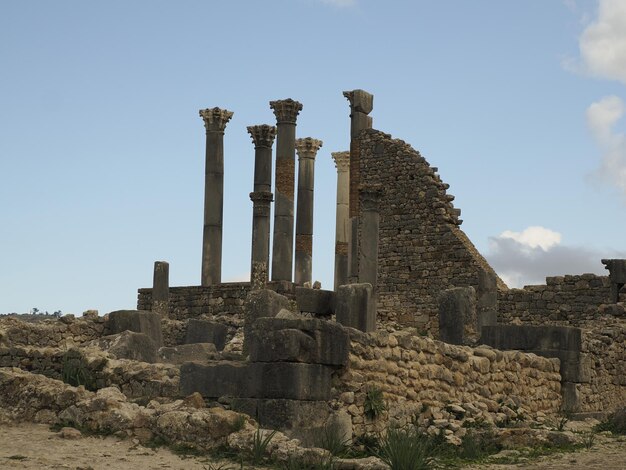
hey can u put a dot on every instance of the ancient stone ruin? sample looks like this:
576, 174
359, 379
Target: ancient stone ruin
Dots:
418, 328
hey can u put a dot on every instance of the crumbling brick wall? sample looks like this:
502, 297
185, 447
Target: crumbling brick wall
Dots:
563, 300
422, 250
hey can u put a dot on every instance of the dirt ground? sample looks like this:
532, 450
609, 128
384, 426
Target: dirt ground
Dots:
34, 446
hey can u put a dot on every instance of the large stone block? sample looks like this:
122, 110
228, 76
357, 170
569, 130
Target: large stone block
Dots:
302, 420
128, 345
571, 397
532, 338
259, 304
195, 352
290, 380
457, 315
205, 331
139, 321
355, 306
317, 301
303, 340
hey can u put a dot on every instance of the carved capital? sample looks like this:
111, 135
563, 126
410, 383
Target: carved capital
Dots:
262, 135
261, 197
308, 147
369, 195
360, 101
215, 119
286, 111
342, 160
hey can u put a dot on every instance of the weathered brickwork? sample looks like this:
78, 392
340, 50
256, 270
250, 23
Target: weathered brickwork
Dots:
422, 250
563, 300
420, 376
64, 332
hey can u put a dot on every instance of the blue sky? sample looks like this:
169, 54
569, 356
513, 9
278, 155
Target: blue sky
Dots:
519, 104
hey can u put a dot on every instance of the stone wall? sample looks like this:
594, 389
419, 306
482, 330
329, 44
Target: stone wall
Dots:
421, 377
605, 346
134, 379
422, 249
66, 331
563, 300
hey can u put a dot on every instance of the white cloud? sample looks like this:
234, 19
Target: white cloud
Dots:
533, 237
602, 117
340, 3
603, 43
527, 257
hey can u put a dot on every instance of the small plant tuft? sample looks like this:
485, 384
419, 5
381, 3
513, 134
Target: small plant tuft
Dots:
374, 404
75, 370
331, 438
259, 445
406, 450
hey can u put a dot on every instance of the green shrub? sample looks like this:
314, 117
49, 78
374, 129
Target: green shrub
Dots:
406, 450
331, 438
75, 370
615, 423
259, 445
374, 404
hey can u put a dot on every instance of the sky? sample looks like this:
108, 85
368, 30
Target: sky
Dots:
519, 104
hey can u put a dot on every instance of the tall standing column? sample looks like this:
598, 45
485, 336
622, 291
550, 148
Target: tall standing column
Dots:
215, 120
263, 138
361, 104
369, 196
307, 150
286, 112
161, 287
342, 162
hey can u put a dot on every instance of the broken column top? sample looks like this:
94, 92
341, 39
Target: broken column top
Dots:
617, 269
286, 111
342, 160
370, 195
360, 100
215, 119
262, 135
308, 147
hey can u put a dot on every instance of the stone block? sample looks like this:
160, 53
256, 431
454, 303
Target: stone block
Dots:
317, 301
355, 306
457, 315
302, 420
305, 340
139, 321
289, 380
128, 345
195, 352
205, 331
571, 397
532, 338
259, 304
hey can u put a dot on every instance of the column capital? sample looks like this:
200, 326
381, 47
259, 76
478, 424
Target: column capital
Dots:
262, 135
370, 195
261, 197
286, 111
215, 119
342, 160
360, 101
308, 147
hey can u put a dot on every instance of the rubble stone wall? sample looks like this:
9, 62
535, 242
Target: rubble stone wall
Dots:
422, 250
66, 331
134, 379
605, 346
418, 375
563, 300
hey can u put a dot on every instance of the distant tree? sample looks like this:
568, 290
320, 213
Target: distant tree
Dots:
57, 313
35, 311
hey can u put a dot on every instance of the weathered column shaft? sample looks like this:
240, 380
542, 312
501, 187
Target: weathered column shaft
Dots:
215, 121
342, 162
307, 150
486, 300
286, 112
368, 244
161, 287
361, 104
263, 137
261, 201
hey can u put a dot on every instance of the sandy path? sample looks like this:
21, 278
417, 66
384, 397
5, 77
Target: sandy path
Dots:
34, 446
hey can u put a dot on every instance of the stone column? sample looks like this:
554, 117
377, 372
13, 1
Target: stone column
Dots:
368, 244
161, 287
617, 276
215, 120
361, 104
307, 150
486, 299
263, 138
342, 162
261, 201
286, 112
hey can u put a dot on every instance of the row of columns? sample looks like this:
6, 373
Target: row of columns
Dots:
286, 112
